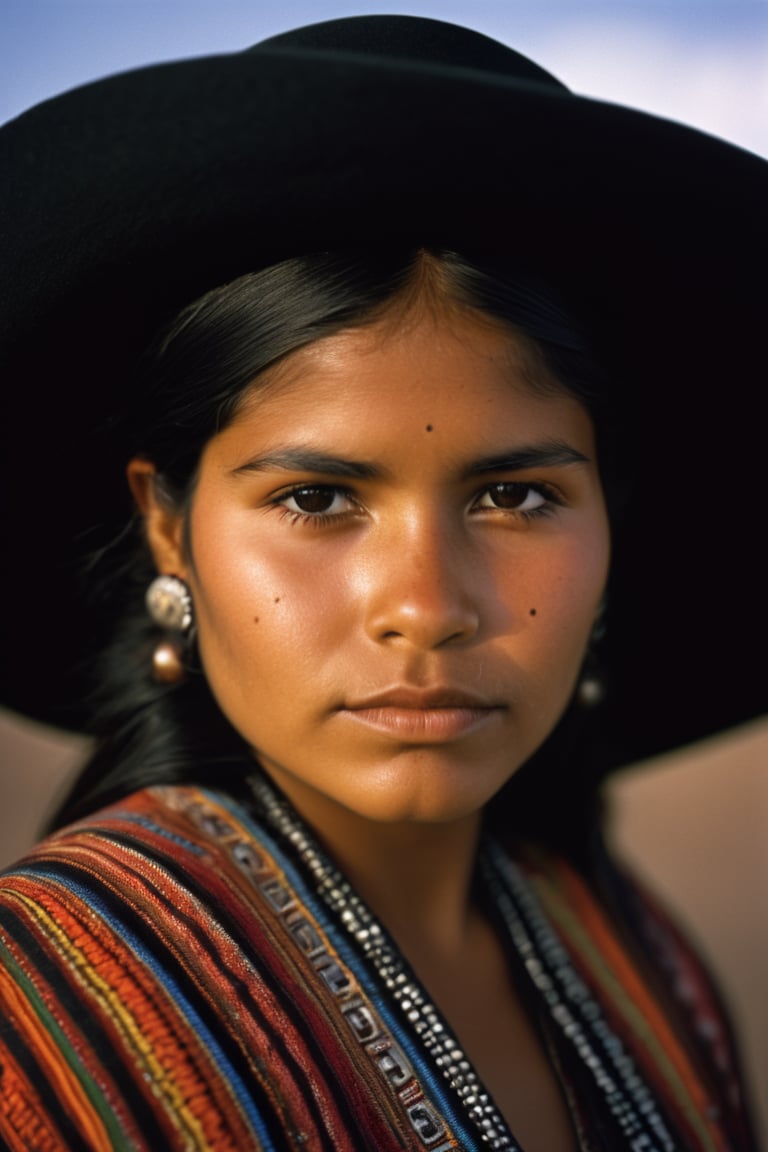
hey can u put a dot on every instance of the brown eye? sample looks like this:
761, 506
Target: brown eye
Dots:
512, 496
316, 501
313, 500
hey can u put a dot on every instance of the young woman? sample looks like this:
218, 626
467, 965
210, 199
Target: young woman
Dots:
432, 385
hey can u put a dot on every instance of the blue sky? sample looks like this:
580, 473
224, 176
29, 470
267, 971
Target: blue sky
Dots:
704, 62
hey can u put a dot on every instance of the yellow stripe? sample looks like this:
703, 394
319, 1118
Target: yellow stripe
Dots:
125, 1023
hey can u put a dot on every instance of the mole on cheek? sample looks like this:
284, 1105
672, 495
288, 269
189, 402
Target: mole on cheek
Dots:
533, 611
429, 428
255, 619
277, 599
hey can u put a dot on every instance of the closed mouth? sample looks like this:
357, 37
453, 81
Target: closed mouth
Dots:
436, 714
423, 699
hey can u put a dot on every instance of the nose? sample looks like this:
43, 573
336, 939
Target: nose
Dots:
423, 589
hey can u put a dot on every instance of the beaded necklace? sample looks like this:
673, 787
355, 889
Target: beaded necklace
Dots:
573, 1011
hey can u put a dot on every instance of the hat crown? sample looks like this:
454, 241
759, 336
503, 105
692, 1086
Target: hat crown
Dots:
414, 38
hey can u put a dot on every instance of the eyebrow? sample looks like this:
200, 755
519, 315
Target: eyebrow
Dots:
301, 459
548, 454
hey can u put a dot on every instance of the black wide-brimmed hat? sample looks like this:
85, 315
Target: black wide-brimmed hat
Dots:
125, 199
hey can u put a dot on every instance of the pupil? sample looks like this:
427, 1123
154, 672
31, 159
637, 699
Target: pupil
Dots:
509, 495
313, 499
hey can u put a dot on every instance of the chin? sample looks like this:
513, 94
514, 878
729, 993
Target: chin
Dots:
426, 793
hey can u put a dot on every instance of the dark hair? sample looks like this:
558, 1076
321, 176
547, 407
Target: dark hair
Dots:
190, 383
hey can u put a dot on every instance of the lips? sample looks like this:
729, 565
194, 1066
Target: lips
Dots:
423, 715
423, 699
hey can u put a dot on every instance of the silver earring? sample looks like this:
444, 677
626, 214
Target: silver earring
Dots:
169, 604
590, 690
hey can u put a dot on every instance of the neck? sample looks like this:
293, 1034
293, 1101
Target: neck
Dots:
416, 878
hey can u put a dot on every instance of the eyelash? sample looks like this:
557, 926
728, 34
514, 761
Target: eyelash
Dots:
315, 519
551, 497
552, 500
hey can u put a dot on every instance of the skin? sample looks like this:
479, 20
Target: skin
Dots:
394, 644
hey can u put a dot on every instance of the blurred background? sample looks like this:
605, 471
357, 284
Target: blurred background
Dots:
694, 824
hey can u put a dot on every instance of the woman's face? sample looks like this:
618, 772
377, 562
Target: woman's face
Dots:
397, 553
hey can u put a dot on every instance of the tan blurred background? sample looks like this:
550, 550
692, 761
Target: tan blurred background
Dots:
694, 824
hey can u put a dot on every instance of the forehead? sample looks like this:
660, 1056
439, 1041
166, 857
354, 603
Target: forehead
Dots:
439, 386
430, 346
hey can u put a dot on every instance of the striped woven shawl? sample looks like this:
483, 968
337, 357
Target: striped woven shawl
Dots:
180, 971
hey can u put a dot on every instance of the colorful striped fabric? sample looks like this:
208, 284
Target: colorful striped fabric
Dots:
171, 978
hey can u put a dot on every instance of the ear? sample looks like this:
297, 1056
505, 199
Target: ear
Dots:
164, 526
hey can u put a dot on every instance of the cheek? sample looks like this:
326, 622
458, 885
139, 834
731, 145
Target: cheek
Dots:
258, 604
564, 595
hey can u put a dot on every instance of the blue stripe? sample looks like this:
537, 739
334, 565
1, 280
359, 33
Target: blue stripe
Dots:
93, 901
431, 1080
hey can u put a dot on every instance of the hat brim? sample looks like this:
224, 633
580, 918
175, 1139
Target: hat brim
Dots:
131, 196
